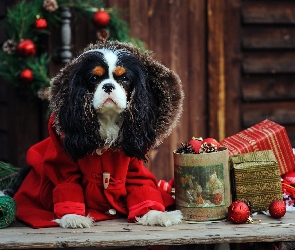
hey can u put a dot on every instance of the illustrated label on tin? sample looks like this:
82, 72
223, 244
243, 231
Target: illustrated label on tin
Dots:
200, 186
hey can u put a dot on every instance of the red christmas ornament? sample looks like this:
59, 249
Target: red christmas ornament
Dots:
212, 141
26, 75
101, 18
277, 209
26, 48
238, 212
40, 23
196, 144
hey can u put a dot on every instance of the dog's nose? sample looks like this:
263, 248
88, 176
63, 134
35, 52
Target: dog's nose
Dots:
108, 87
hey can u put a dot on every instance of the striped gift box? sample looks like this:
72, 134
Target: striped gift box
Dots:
266, 135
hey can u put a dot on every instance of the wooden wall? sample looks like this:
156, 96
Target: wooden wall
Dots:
235, 58
268, 63
176, 32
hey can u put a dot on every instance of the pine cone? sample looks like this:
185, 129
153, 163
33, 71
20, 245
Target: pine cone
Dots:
9, 46
208, 148
44, 93
103, 34
50, 5
249, 204
185, 148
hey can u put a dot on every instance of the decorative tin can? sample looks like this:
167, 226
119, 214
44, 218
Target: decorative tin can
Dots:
202, 185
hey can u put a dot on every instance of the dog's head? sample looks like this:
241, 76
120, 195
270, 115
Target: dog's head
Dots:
117, 95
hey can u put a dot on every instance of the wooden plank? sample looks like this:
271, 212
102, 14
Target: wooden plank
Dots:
268, 12
268, 87
3, 146
279, 112
290, 129
3, 122
159, 41
216, 68
179, 53
268, 63
196, 79
232, 67
80, 34
3, 91
265, 37
139, 19
119, 233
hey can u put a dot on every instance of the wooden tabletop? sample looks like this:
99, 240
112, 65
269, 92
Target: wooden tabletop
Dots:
120, 233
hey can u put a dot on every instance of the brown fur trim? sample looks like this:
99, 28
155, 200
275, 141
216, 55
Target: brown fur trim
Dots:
164, 82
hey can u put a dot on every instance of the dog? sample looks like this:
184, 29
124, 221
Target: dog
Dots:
110, 106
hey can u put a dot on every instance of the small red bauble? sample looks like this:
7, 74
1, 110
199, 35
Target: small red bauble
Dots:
26, 47
212, 141
101, 18
238, 212
26, 75
40, 23
277, 209
196, 144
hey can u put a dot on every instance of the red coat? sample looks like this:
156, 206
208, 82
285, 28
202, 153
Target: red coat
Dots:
57, 185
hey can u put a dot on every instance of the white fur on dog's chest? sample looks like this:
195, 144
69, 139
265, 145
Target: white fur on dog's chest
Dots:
109, 126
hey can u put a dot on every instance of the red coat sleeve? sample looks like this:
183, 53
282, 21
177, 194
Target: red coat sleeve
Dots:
143, 194
65, 174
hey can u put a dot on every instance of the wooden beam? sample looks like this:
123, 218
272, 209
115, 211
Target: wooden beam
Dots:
279, 112
270, 12
216, 68
268, 87
264, 62
265, 37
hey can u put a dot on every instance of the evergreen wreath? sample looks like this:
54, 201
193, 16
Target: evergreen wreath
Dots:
23, 62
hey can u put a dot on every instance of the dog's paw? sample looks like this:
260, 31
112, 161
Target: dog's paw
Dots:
74, 221
165, 219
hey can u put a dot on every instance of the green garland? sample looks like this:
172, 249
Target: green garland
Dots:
8, 175
20, 25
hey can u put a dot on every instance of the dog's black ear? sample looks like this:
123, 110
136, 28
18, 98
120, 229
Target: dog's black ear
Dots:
138, 130
156, 104
76, 117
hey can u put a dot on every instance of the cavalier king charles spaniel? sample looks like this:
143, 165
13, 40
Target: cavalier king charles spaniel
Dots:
110, 106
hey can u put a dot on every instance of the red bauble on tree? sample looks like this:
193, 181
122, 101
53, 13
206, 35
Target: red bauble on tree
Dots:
238, 212
26, 47
101, 18
277, 209
26, 75
40, 23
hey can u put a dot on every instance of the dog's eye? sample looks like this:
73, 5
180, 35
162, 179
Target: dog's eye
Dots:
93, 79
124, 78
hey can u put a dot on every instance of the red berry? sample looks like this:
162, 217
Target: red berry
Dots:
26, 75
196, 144
40, 23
